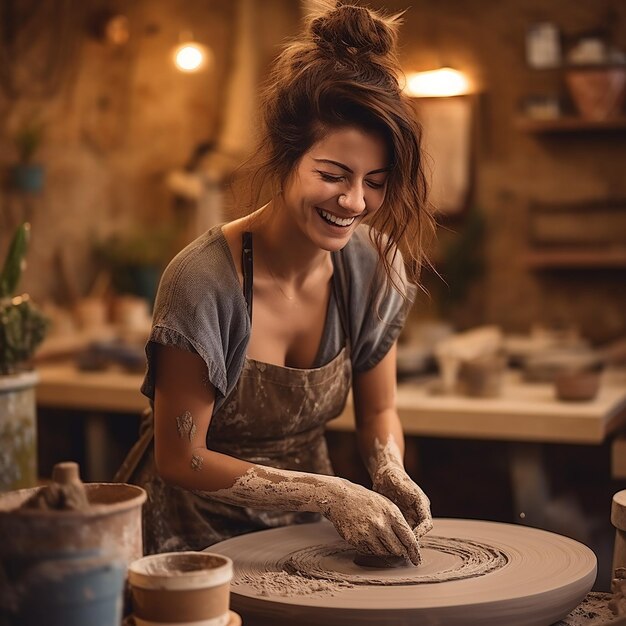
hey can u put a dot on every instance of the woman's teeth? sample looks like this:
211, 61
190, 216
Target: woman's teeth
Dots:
337, 221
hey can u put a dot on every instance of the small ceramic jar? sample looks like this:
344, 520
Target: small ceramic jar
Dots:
179, 588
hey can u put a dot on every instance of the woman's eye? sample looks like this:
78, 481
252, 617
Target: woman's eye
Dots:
374, 185
329, 178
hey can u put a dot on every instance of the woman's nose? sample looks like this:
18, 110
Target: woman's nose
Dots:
352, 199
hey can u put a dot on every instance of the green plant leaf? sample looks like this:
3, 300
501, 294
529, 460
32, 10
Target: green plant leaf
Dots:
13, 264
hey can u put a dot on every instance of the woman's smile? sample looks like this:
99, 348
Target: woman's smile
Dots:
342, 179
335, 220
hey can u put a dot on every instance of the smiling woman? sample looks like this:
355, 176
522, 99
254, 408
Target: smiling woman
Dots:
341, 179
240, 401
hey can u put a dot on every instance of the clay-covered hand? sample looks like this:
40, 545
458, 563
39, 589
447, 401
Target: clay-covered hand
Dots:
393, 482
369, 521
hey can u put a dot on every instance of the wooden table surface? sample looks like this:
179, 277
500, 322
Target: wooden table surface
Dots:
524, 412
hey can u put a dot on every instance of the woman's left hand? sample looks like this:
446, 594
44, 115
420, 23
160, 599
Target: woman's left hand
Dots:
393, 482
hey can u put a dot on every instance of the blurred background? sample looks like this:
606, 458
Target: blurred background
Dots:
122, 127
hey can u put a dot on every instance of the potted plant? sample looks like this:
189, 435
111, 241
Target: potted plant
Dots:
136, 259
22, 328
28, 176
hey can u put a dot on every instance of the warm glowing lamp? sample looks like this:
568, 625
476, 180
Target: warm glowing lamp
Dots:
437, 83
190, 56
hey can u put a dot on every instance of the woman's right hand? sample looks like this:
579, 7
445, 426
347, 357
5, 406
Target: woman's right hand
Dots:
369, 521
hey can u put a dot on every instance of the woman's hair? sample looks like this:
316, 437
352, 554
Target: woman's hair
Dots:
344, 72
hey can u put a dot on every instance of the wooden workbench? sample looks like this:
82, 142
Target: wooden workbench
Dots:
524, 411
526, 416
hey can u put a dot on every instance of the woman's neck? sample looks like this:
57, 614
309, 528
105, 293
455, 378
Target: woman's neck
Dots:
288, 253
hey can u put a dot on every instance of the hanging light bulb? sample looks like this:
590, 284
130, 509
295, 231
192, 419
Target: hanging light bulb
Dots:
191, 56
437, 83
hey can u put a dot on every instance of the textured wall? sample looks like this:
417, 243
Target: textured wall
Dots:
124, 118
128, 118
485, 38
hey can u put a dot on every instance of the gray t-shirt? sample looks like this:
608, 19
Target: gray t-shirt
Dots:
200, 307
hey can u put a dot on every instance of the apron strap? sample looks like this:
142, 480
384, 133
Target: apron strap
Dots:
246, 269
341, 289
128, 469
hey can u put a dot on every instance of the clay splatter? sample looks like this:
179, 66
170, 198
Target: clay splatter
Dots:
288, 585
185, 425
324, 562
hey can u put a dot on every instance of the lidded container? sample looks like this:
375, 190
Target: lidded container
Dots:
181, 588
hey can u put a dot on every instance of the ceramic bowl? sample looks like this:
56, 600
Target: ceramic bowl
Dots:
577, 386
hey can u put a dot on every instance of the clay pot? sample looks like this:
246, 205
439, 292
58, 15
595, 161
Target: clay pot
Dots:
597, 92
181, 588
577, 385
18, 431
482, 377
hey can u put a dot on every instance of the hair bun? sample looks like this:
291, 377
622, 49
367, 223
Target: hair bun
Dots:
350, 29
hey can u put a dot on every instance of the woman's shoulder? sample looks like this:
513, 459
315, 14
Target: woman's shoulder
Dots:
359, 255
360, 245
362, 265
209, 247
204, 268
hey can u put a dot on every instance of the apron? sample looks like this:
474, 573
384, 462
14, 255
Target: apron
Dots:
275, 416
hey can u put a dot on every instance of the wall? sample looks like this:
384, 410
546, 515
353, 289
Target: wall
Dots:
486, 39
123, 119
128, 118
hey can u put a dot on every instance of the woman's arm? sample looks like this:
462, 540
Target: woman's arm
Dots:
381, 442
183, 407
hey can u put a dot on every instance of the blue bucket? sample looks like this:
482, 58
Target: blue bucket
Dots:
72, 592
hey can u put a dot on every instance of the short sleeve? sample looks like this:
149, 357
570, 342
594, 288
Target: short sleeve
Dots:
200, 308
377, 311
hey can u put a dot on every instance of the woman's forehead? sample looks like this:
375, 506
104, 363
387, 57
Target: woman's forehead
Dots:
357, 148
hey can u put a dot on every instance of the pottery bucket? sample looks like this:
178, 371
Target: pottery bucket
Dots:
110, 528
181, 588
73, 592
18, 431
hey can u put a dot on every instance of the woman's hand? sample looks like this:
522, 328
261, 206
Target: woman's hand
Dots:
393, 482
369, 521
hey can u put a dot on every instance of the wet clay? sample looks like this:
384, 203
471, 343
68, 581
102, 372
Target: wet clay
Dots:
65, 493
390, 479
472, 573
378, 562
330, 562
365, 519
58, 498
287, 584
185, 426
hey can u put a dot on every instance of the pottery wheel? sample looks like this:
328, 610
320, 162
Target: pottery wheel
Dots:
473, 572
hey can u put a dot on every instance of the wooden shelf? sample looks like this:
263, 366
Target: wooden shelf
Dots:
566, 258
570, 125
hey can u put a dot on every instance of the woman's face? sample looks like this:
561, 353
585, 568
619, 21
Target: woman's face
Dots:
336, 184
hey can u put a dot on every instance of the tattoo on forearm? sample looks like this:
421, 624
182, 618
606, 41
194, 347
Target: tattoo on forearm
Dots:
186, 426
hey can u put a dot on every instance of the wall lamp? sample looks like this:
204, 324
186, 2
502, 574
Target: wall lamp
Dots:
191, 56
438, 83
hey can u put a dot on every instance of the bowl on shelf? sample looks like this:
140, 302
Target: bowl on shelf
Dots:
598, 91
